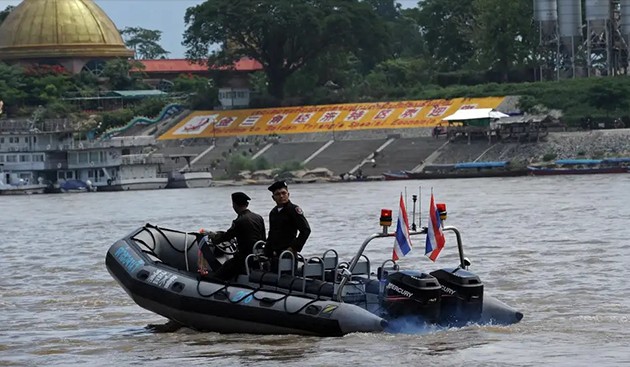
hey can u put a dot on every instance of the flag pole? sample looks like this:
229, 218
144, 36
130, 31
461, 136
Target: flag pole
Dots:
420, 207
414, 198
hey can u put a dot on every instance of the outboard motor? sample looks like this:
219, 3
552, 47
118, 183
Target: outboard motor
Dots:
462, 296
411, 293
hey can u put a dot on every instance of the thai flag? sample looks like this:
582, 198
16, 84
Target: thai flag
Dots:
402, 244
435, 236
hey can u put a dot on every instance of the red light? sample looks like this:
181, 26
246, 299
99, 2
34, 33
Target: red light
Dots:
386, 217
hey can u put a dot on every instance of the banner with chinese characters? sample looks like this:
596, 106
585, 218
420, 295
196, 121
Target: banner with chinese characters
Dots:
324, 118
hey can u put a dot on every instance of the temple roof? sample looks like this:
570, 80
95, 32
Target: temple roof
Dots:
59, 29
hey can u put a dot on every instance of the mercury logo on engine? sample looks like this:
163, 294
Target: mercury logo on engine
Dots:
448, 290
399, 290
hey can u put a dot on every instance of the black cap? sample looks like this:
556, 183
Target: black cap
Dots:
239, 198
278, 185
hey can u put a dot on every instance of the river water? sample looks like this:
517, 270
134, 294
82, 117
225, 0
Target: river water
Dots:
556, 248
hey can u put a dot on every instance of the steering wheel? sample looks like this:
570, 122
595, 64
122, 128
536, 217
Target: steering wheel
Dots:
226, 247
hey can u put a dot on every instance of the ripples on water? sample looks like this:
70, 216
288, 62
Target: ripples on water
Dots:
555, 247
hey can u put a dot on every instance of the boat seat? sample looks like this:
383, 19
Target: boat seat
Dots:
362, 267
285, 281
286, 263
331, 260
313, 268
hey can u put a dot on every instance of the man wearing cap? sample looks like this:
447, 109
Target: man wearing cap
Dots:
285, 221
247, 228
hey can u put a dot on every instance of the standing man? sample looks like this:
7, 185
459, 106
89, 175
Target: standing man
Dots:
285, 221
247, 228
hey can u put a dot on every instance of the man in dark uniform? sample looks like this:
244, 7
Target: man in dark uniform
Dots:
247, 228
285, 221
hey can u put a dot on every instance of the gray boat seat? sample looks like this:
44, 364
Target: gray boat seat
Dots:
362, 267
286, 263
331, 260
288, 282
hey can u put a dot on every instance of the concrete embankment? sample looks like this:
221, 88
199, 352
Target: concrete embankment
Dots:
565, 145
393, 150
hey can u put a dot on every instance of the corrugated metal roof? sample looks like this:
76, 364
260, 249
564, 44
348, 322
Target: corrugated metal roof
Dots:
137, 93
185, 66
578, 161
475, 114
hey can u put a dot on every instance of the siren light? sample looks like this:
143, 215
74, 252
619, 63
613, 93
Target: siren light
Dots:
386, 217
441, 208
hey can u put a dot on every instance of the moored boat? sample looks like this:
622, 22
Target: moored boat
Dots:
580, 167
326, 297
12, 184
189, 179
461, 170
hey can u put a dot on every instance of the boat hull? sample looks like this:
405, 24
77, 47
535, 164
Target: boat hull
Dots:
22, 190
212, 306
189, 180
135, 185
156, 267
534, 171
429, 176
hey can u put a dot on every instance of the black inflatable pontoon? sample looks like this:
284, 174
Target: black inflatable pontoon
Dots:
157, 267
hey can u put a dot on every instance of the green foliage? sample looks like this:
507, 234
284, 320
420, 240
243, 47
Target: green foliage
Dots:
284, 35
149, 107
12, 90
548, 157
503, 38
202, 94
120, 76
237, 163
284, 171
5, 13
117, 118
261, 164
144, 42
446, 25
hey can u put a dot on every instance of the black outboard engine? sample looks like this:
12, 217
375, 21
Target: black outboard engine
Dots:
411, 293
462, 296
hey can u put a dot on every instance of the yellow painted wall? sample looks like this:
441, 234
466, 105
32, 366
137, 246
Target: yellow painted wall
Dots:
311, 119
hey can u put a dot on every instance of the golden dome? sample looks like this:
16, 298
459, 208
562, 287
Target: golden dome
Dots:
59, 29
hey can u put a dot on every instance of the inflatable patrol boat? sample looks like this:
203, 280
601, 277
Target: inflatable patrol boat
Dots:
321, 296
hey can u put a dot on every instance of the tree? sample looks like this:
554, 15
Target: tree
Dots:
202, 95
609, 95
445, 25
145, 43
503, 38
283, 35
5, 13
119, 73
11, 86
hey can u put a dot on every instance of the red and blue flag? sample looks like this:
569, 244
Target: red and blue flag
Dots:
402, 244
435, 235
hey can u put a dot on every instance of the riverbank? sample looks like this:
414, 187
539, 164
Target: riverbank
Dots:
593, 144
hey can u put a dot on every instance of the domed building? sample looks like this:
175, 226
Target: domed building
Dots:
75, 34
